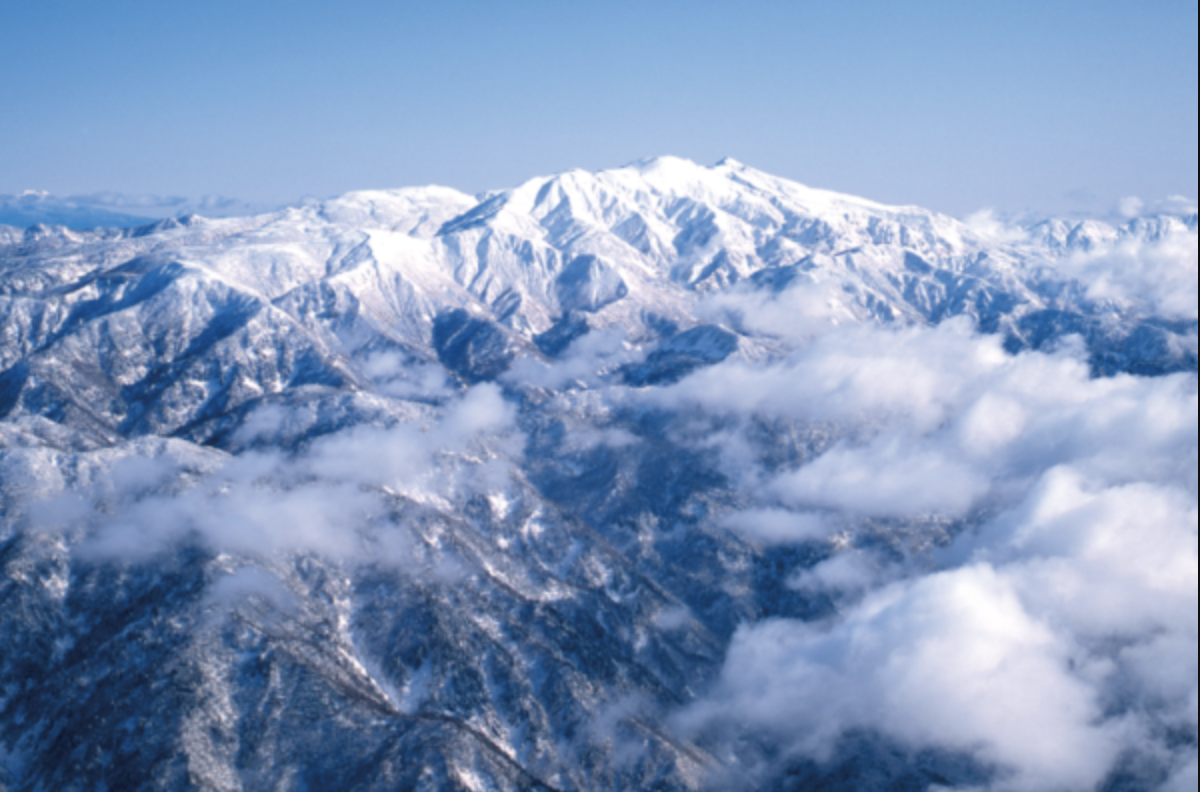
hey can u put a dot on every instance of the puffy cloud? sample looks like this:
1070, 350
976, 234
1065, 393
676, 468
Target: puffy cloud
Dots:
939, 421
1056, 635
890, 477
1066, 640
1118, 561
243, 508
1130, 206
858, 374
1157, 278
808, 307
329, 497
951, 660
401, 458
990, 228
850, 572
1176, 205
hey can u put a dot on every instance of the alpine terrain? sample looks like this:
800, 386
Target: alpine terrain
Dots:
661, 478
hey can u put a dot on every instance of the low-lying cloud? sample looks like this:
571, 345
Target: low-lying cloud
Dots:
330, 497
1054, 639
1063, 642
1157, 278
1041, 618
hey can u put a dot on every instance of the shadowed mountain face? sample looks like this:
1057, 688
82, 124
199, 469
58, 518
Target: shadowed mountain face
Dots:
418, 491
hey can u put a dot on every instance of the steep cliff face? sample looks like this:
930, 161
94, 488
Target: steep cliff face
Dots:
415, 490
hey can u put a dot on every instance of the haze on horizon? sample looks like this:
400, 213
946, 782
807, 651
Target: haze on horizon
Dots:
1059, 107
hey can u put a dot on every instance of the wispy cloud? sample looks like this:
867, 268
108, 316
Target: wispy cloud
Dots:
331, 497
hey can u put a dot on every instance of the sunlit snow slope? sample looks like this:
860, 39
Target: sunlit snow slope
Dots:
660, 478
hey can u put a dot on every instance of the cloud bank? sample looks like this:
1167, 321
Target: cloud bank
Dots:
329, 497
1053, 638
1157, 278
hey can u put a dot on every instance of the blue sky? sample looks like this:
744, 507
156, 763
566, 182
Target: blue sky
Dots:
1057, 105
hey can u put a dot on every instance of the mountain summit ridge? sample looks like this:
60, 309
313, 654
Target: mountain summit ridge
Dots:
632, 248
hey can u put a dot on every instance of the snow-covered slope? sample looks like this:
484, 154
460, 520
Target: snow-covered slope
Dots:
398, 491
147, 331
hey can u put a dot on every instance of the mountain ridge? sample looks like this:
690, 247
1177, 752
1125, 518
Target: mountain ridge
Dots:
411, 489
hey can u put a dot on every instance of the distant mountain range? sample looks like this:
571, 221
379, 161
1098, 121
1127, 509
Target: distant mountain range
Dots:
108, 210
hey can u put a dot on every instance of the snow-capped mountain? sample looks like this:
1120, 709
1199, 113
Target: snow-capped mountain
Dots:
477, 282
400, 490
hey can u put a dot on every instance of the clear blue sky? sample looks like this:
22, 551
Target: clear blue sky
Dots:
952, 104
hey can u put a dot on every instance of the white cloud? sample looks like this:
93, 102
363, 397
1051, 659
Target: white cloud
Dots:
1130, 206
954, 660
1157, 278
1176, 205
847, 572
807, 308
1056, 635
937, 421
991, 229
892, 476
856, 374
583, 363
250, 582
393, 375
779, 526
1009, 657
328, 498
